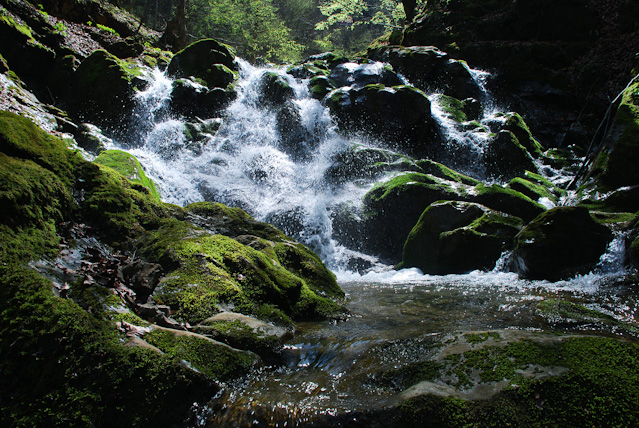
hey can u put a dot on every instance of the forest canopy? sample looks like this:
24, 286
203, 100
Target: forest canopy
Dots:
280, 30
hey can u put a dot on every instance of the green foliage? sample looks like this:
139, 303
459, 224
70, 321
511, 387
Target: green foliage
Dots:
107, 29
253, 27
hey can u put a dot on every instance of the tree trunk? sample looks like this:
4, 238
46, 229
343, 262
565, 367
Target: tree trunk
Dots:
409, 9
174, 37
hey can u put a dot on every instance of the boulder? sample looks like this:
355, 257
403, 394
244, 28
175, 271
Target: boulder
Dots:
190, 99
429, 69
399, 115
129, 167
560, 243
295, 139
206, 59
320, 86
91, 139
275, 89
505, 158
458, 237
360, 75
102, 92
392, 208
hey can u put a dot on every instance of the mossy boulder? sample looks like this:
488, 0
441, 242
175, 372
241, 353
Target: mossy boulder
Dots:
560, 243
505, 158
360, 75
616, 164
102, 92
129, 167
458, 237
502, 378
320, 86
206, 59
514, 123
507, 200
399, 114
392, 208
295, 138
275, 89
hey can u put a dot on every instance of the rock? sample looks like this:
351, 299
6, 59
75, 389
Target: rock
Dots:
392, 208
505, 158
201, 130
320, 86
102, 92
129, 167
206, 59
296, 140
506, 200
142, 278
516, 124
191, 99
429, 69
458, 237
275, 89
399, 115
560, 243
360, 75
91, 139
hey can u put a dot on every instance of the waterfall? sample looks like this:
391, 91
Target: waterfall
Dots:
244, 164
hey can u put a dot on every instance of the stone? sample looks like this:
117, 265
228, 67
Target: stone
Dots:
560, 243
505, 158
190, 99
458, 237
206, 59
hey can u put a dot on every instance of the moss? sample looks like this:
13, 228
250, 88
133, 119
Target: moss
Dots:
508, 200
211, 358
401, 378
442, 171
516, 124
63, 367
241, 336
129, 167
534, 191
563, 312
480, 337
452, 107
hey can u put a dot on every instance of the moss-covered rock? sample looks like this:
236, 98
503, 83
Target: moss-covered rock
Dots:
458, 237
320, 86
275, 89
429, 69
507, 200
206, 59
392, 208
398, 114
516, 124
129, 167
102, 91
560, 243
190, 99
522, 379
505, 158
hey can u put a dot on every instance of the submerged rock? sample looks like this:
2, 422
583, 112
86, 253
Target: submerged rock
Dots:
560, 243
458, 237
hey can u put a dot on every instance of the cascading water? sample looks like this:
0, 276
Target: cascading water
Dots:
328, 366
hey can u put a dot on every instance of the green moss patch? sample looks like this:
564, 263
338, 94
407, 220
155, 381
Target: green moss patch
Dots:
129, 167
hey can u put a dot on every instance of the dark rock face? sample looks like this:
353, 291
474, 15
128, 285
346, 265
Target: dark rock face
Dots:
562, 61
505, 158
360, 75
398, 114
458, 237
275, 89
205, 59
560, 243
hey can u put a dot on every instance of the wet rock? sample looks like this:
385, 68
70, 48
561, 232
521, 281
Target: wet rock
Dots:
275, 89
560, 243
102, 92
130, 168
391, 209
430, 69
142, 278
91, 139
506, 158
458, 237
296, 140
206, 59
201, 130
399, 115
192, 99
360, 75
320, 86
